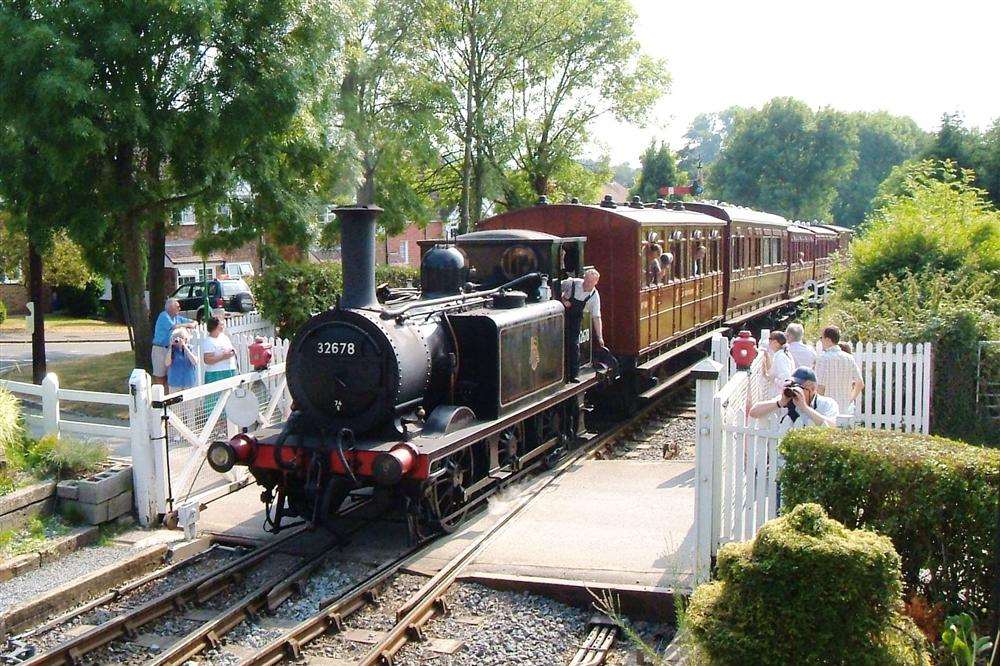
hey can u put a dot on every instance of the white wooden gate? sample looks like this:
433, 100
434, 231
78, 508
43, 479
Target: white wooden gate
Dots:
179, 427
736, 457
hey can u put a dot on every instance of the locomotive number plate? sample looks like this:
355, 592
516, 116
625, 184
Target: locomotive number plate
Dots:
336, 348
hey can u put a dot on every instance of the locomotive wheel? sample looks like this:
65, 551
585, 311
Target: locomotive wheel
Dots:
442, 506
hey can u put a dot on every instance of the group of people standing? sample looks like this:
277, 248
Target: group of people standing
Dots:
175, 365
807, 387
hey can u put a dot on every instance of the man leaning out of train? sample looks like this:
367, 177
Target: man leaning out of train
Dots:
799, 404
579, 296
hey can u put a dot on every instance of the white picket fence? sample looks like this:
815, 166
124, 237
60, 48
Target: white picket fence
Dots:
737, 461
242, 330
169, 434
51, 421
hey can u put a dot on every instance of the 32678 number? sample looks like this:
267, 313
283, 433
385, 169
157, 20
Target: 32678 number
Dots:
335, 348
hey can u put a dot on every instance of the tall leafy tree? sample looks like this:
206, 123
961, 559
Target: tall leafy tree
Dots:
703, 139
659, 169
594, 66
387, 106
785, 158
883, 142
164, 101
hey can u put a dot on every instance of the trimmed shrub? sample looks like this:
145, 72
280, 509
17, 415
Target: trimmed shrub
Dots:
289, 293
81, 301
3, 312
806, 590
936, 499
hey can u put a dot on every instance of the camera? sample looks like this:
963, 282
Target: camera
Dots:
788, 392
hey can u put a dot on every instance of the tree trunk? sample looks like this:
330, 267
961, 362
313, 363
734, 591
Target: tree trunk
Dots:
478, 186
37, 290
366, 191
157, 250
135, 284
465, 208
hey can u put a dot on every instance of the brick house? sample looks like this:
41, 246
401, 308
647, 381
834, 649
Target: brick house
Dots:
402, 248
182, 264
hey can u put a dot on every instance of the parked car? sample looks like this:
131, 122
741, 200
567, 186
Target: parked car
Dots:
224, 296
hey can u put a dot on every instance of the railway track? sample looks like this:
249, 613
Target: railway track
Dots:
266, 596
428, 602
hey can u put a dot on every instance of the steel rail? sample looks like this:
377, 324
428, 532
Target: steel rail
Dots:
115, 594
199, 590
596, 647
423, 605
266, 598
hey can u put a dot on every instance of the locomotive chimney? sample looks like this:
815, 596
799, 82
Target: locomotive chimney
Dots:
357, 251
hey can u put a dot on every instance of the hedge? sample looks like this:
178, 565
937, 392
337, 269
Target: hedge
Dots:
289, 293
806, 590
937, 499
3, 312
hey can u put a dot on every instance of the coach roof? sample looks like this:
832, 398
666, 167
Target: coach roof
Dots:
731, 213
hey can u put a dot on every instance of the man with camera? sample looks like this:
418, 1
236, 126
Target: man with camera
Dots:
799, 405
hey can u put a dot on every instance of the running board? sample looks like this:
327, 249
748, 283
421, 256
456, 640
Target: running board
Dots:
669, 382
652, 364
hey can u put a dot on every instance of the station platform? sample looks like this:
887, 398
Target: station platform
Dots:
606, 524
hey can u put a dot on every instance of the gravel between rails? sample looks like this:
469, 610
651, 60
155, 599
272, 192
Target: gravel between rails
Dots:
211, 562
663, 438
62, 570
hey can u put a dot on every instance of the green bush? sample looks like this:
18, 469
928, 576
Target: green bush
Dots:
806, 590
3, 312
11, 426
939, 222
937, 499
289, 293
81, 301
952, 311
65, 458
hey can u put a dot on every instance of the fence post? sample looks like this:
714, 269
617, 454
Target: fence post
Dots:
158, 446
50, 404
143, 467
706, 376
720, 354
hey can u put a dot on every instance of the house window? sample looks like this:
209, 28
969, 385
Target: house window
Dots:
186, 217
206, 274
12, 277
404, 252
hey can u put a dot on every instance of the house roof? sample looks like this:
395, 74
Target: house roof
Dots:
183, 253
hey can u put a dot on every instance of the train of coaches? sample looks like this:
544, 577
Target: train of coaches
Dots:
437, 398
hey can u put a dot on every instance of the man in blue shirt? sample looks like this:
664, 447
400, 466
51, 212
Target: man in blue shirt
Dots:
168, 320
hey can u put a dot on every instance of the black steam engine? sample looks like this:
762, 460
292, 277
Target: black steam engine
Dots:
433, 399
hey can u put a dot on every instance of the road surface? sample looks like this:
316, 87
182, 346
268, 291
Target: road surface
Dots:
13, 354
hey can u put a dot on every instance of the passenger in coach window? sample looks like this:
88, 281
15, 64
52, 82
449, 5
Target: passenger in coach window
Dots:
653, 267
579, 296
700, 253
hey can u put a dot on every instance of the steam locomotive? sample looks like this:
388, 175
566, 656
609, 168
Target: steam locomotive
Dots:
437, 398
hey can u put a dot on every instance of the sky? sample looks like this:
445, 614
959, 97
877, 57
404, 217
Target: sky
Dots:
916, 58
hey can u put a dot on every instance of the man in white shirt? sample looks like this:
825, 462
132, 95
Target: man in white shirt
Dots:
802, 354
837, 373
579, 296
799, 405
778, 364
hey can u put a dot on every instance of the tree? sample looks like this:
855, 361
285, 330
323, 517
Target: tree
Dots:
153, 106
703, 139
969, 149
883, 142
387, 107
658, 170
593, 67
785, 158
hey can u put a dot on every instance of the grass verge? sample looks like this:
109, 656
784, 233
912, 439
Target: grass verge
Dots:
108, 373
31, 537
